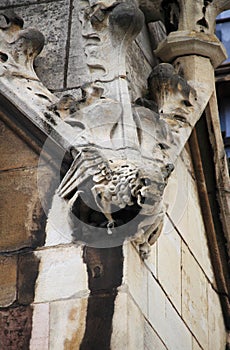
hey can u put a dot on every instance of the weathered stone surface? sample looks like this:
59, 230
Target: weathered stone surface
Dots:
138, 70
15, 328
151, 262
19, 201
27, 274
151, 339
186, 43
58, 229
78, 72
194, 297
177, 191
8, 3
106, 35
135, 278
195, 345
8, 280
40, 330
165, 320
62, 274
191, 227
67, 323
128, 324
169, 266
53, 23
14, 152
182, 203
216, 326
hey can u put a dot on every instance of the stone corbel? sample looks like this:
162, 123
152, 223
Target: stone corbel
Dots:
123, 153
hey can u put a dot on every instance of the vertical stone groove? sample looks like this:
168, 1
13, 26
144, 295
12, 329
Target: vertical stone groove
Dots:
105, 271
66, 64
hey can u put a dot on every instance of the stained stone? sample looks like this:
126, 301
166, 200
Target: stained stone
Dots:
8, 280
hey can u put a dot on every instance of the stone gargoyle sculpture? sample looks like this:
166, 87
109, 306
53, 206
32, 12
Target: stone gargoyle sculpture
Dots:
123, 153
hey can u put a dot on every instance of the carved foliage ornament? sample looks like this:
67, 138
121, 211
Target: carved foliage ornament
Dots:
123, 153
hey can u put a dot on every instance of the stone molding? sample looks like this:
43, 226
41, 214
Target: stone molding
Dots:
184, 43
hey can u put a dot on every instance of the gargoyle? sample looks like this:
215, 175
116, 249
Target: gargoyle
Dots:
123, 153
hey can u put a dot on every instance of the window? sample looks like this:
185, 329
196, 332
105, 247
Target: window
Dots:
223, 31
223, 79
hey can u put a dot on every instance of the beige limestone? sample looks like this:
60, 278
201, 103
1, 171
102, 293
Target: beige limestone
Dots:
194, 297
67, 323
40, 327
135, 276
151, 261
195, 344
128, 323
169, 266
165, 320
216, 327
62, 274
151, 339
191, 227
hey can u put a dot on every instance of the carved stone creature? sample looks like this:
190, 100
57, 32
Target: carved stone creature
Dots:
123, 153
115, 185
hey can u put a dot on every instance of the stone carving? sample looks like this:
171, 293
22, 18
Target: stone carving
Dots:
176, 14
18, 47
123, 153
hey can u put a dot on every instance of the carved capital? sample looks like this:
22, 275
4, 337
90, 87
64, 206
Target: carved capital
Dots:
185, 43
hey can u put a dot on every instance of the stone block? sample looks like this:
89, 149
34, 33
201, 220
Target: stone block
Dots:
15, 328
195, 345
58, 229
183, 207
151, 339
165, 320
177, 335
8, 280
151, 261
135, 276
67, 323
20, 209
194, 297
15, 153
156, 306
177, 190
53, 23
40, 330
27, 274
169, 266
62, 274
216, 326
128, 323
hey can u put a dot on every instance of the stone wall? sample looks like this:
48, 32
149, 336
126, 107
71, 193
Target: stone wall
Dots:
172, 294
168, 301
22, 229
